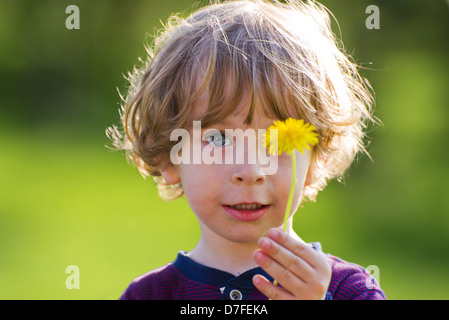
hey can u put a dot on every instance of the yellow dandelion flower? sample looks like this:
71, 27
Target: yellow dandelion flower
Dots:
291, 134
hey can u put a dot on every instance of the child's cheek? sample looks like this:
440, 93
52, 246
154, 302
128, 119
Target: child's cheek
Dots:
283, 174
211, 154
284, 162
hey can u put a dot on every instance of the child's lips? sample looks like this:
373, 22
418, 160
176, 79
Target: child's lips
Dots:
247, 211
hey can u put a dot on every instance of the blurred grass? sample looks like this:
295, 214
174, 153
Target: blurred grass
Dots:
66, 199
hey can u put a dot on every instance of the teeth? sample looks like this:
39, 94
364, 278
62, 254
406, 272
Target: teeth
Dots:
247, 206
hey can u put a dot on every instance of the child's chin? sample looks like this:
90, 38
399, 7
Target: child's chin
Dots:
246, 234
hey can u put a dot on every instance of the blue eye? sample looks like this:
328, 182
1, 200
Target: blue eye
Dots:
219, 139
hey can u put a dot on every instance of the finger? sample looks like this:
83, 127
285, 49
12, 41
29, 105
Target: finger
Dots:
301, 249
286, 279
271, 291
287, 259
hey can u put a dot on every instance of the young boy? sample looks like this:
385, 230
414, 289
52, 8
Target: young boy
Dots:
240, 65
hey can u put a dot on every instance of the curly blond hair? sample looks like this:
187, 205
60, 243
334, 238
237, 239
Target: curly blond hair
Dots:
284, 54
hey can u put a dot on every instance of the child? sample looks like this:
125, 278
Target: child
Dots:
241, 65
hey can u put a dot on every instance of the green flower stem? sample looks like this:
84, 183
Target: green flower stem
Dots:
290, 197
292, 191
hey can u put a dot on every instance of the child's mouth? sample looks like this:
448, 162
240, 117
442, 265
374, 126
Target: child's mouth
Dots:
243, 206
246, 211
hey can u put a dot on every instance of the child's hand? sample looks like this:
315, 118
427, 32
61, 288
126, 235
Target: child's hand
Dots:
303, 272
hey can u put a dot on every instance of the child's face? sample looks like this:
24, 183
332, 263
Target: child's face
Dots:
214, 190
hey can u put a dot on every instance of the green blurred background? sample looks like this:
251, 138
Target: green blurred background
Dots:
65, 199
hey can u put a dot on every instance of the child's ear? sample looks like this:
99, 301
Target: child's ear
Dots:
170, 175
308, 179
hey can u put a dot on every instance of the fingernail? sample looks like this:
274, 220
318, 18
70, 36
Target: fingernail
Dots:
275, 234
257, 280
258, 255
264, 243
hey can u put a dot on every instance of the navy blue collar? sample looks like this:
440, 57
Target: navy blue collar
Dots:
215, 277
232, 287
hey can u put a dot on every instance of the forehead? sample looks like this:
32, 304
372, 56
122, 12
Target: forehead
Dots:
241, 102
242, 114
232, 103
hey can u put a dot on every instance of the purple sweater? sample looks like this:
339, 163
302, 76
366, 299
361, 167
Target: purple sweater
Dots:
185, 279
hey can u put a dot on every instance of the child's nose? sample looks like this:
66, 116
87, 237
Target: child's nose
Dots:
248, 174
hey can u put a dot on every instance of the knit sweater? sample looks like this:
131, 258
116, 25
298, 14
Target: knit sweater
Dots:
185, 279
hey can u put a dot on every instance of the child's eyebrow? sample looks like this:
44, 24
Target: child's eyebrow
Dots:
223, 123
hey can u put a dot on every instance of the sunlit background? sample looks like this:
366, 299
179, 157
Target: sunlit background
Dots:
66, 199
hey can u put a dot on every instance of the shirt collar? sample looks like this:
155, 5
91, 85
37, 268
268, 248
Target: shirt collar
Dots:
231, 287
214, 277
